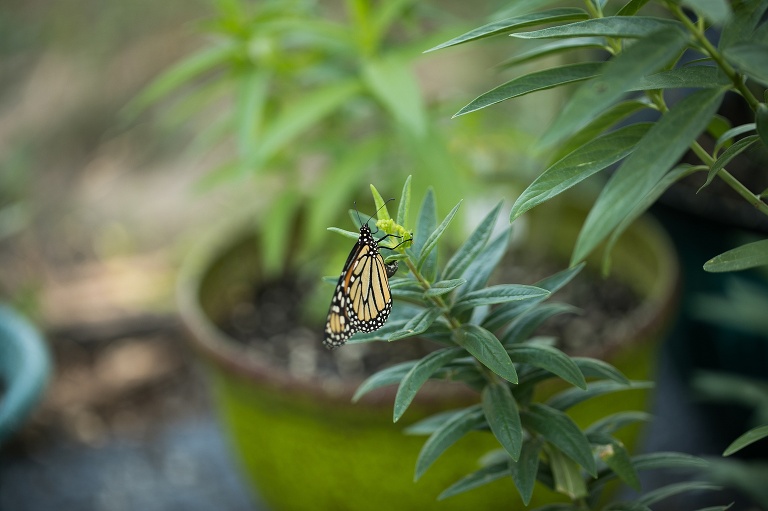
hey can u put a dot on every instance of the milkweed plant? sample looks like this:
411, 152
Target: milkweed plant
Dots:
486, 340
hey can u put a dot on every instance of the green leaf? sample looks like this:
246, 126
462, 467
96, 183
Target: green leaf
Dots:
380, 204
252, 96
716, 11
500, 409
391, 81
474, 245
417, 324
382, 334
643, 204
732, 133
418, 375
610, 424
526, 323
631, 8
425, 224
479, 271
592, 367
299, 117
653, 461
567, 475
501, 293
524, 470
180, 74
751, 58
443, 287
740, 258
539, 80
515, 23
651, 497
603, 122
433, 238
347, 234
615, 455
618, 75
487, 349
476, 479
750, 437
560, 430
573, 396
734, 150
549, 358
447, 435
558, 280
699, 77
554, 47
405, 204
653, 156
432, 423
389, 376
617, 26
580, 164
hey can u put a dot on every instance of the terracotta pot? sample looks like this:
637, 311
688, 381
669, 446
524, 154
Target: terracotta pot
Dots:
304, 445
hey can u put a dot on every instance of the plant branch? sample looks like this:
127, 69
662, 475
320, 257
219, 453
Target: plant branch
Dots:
437, 300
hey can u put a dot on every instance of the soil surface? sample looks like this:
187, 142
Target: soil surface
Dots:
271, 324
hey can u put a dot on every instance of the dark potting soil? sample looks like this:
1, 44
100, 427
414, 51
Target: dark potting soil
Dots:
271, 324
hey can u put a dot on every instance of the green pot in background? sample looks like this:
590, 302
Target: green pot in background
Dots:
303, 445
25, 368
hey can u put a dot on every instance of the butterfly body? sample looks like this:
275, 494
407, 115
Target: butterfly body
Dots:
362, 299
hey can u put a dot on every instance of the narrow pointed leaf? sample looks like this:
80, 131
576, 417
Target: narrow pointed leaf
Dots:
751, 57
477, 479
405, 204
691, 76
631, 8
501, 293
382, 334
515, 23
479, 270
389, 376
653, 156
503, 417
740, 258
433, 238
761, 122
577, 166
524, 325
748, 438
487, 349
571, 397
432, 423
733, 151
418, 375
728, 136
616, 421
448, 434
525, 469
560, 430
618, 76
558, 280
539, 80
592, 367
554, 47
615, 455
425, 224
616, 26
653, 496
549, 358
380, 204
474, 245
417, 324
443, 287
567, 475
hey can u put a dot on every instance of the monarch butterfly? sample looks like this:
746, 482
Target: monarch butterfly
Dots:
362, 300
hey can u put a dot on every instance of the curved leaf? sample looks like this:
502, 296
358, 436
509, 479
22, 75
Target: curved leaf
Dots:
560, 430
526, 323
443, 287
539, 80
514, 23
487, 349
549, 358
733, 151
418, 375
473, 246
503, 417
476, 479
383, 378
750, 437
571, 397
501, 293
553, 48
740, 258
447, 435
418, 324
525, 469
617, 26
431, 241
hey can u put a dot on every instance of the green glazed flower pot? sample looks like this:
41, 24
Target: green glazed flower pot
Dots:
303, 445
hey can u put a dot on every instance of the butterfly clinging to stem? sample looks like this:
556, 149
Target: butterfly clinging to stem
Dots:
362, 300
